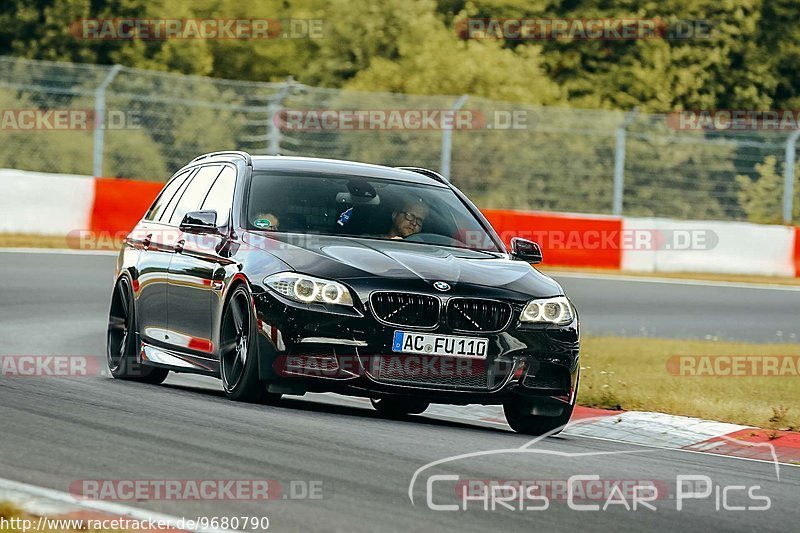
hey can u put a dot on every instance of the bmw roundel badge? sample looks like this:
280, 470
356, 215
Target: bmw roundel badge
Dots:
441, 286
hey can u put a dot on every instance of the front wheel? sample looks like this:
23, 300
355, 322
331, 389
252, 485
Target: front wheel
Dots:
398, 407
519, 417
239, 353
122, 342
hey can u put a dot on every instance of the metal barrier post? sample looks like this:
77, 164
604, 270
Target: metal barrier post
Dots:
788, 177
619, 162
100, 119
447, 139
274, 107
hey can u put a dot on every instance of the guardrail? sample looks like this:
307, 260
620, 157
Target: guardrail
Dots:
59, 205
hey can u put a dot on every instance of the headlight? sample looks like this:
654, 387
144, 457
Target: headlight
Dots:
305, 289
548, 311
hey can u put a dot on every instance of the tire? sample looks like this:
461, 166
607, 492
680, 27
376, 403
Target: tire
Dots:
238, 361
391, 407
122, 341
529, 424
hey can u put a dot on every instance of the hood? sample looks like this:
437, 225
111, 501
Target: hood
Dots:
336, 257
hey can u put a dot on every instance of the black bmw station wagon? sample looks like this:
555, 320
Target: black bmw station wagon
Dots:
286, 275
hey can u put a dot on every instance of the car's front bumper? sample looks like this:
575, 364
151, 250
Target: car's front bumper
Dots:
303, 349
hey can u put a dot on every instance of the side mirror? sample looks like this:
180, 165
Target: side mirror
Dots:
199, 222
526, 250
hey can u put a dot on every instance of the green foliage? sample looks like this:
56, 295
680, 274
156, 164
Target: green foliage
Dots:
748, 60
762, 198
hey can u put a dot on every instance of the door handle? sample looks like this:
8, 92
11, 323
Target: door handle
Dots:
179, 245
147, 240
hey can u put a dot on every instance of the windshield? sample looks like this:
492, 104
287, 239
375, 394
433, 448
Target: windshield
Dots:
362, 207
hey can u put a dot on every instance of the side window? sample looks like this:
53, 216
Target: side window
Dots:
166, 195
194, 193
220, 197
164, 217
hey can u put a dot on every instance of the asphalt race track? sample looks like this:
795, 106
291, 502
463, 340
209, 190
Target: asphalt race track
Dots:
54, 431
641, 307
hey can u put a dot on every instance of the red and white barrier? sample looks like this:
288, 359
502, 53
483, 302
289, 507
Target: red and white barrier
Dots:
59, 204
44, 204
712, 246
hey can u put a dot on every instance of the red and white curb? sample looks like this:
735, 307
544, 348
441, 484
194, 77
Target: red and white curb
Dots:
657, 430
55, 505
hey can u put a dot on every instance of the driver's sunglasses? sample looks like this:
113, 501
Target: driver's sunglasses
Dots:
411, 217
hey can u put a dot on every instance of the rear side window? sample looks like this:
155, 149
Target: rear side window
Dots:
220, 197
194, 193
166, 195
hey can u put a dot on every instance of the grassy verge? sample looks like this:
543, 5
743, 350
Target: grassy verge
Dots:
25, 240
632, 374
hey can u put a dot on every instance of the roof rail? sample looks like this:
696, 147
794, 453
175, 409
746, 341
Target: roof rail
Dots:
427, 172
236, 153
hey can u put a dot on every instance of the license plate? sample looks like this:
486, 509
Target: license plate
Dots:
423, 343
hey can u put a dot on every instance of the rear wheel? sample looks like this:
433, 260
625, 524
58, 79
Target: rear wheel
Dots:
391, 407
519, 417
122, 342
239, 352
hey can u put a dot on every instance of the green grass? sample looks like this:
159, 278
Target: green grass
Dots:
632, 374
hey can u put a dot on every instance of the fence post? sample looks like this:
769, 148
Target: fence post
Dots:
274, 107
619, 162
447, 139
788, 177
100, 120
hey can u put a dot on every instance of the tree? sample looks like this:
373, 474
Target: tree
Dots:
762, 198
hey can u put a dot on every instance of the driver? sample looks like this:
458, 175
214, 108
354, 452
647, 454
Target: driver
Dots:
408, 220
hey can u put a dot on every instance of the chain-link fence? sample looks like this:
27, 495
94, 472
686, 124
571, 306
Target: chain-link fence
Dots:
505, 155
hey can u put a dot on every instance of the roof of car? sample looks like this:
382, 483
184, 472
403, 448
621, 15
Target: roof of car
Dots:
318, 165
336, 166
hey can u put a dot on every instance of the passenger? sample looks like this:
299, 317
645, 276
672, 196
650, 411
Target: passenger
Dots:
266, 221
